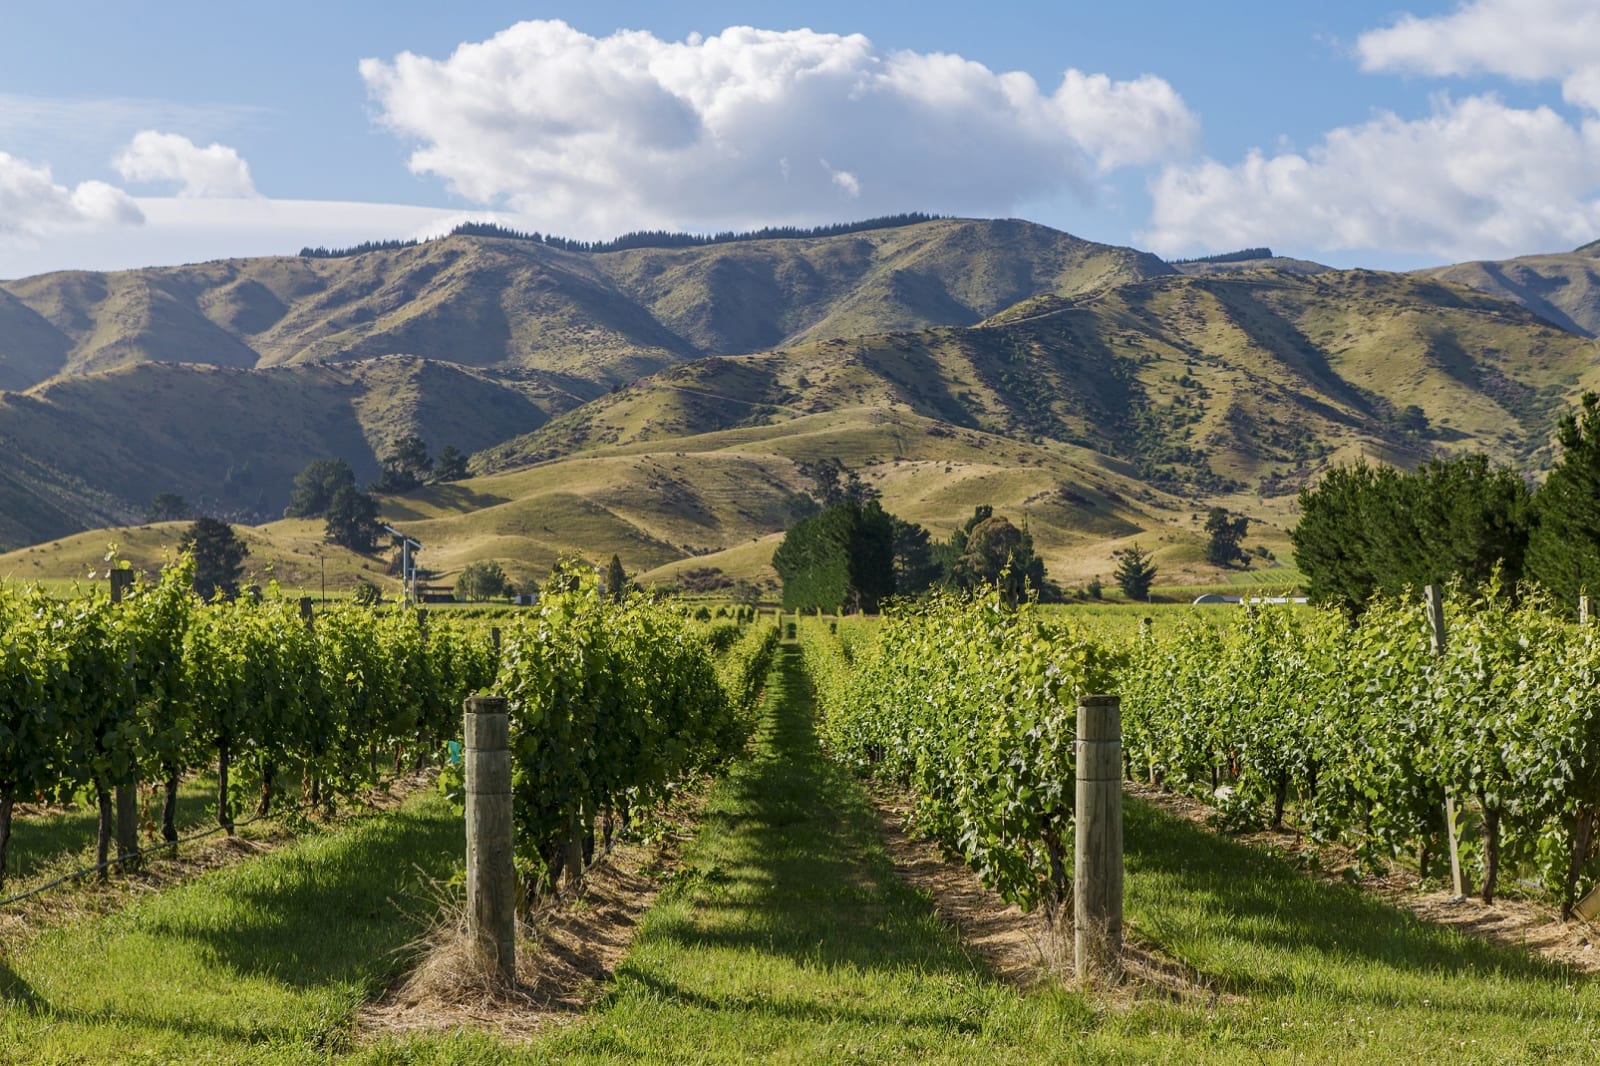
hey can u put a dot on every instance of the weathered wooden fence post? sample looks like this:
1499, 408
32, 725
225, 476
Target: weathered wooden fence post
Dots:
1097, 854
127, 793
491, 875
1583, 610
1435, 603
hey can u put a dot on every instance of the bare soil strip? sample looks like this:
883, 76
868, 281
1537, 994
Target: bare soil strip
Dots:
1019, 948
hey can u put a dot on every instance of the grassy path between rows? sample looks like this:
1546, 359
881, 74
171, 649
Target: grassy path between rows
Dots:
785, 936
263, 961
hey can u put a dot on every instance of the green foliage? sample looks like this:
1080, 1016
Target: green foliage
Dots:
1363, 731
1135, 572
451, 465
839, 559
915, 568
102, 695
406, 467
316, 486
1564, 544
219, 557
1366, 530
1227, 531
997, 553
610, 704
481, 581
971, 706
352, 519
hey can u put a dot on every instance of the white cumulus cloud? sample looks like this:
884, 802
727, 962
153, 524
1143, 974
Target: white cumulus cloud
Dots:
34, 205
592, 135
213, 171
1529, 40
1475, 179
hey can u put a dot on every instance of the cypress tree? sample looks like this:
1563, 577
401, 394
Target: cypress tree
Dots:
1564, 543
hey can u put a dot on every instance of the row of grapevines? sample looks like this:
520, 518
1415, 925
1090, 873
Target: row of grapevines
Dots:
610, 705
972, 707
1364, 731
104, 695
743, 668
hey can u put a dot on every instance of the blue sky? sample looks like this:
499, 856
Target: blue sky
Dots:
1389, 135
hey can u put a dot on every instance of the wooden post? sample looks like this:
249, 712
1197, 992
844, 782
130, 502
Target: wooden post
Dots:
1436, 632
1583, 609
306, 609
1097, 854
127, 830
494, 638
491, 876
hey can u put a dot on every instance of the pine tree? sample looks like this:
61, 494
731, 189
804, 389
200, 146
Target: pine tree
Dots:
219, 557
616, 580
1135, 572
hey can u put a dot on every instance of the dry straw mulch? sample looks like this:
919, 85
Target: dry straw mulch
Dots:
567, 952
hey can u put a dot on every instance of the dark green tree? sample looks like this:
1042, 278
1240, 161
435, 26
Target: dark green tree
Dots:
316, 485
219, 557
947, 553
998, 553
1227, 534
406, 467
1135, 572
352, 519
841, 558
167, 507
616, 580
1564, 542
451, 465
915, 568
1366, 529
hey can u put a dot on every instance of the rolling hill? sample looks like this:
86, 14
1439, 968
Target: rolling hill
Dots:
583, 321
1563, 289
660, 403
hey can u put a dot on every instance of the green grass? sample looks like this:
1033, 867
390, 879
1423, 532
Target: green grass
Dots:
66, 836
785, 936
262, 961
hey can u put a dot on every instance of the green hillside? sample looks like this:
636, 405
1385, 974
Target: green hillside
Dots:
590, 320
656, 403
1204, 384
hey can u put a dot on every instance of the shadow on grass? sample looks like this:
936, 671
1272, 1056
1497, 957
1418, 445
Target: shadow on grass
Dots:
338, 909
790, 866
1190, 876
42, 841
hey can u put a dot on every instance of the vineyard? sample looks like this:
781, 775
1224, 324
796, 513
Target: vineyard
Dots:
787, 931
1358, 733
614, 702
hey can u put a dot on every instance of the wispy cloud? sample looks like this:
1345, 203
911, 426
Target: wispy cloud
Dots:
111, 119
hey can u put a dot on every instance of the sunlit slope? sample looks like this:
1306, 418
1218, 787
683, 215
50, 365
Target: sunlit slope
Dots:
1203, 384
291, 552
586, 321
